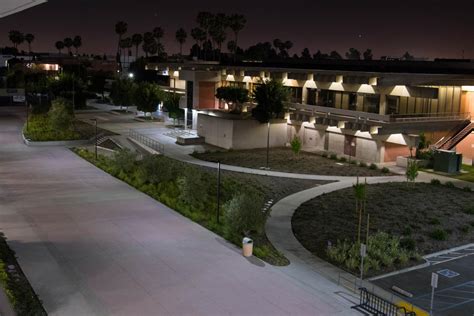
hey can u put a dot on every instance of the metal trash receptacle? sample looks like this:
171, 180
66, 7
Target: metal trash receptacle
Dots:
247, 247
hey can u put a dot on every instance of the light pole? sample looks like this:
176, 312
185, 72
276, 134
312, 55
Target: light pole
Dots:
218, 189
95, 125
268, 145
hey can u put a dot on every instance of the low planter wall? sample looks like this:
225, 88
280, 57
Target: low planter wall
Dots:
403, 162
67, 143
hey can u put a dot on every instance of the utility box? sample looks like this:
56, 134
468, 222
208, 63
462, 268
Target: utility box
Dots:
447, 161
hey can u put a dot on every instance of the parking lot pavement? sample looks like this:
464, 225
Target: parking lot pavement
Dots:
455, 292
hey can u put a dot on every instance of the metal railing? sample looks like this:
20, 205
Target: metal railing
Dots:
377, 305
147, 141
429, 117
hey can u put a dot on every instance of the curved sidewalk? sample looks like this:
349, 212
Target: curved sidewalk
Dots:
305, 266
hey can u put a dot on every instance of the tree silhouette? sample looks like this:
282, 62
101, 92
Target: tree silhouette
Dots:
305, 54
68, 44
59, 46
77, 42
29, 38
16, 37
121, 28
137, 39
181, 36
236, 24
353, 54
368, 54
407, 56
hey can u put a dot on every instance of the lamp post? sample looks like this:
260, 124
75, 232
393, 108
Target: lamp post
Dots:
218, 190
95, 125
268, 145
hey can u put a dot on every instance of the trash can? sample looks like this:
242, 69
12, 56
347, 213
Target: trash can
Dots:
247, 247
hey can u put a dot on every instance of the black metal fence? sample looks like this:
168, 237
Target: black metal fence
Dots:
147, 141
377, 305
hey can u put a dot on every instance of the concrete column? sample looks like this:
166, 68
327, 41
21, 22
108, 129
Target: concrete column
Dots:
383, 104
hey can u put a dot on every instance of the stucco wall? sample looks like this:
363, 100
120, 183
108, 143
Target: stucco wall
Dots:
314, 138
368, 150
240, 134
336, 143
392, 151
466, 149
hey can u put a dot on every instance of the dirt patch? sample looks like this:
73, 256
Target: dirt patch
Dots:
435, 217
283, 159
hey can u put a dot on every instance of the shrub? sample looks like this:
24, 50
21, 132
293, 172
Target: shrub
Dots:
244, 216
385, 170
435, 182
296, 145
407, 231
362, 164
333, 157
157, 169
408, 243
439, 234
353, 162
449, 184
324, 155
373, 166
60, 116
342, 159
435, 221
382, 250
194, 187
464, 229
466, 189
123, 161
469, 209
412, 170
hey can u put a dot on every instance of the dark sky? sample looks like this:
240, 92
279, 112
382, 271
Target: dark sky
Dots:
426, 28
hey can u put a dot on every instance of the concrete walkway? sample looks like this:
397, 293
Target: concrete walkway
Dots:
92, 245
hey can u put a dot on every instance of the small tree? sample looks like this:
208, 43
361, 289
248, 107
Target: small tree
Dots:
122, 92
360, 197
412, 170
147, 96
296, 145
171, 104
60, 115
270, 96
234, 96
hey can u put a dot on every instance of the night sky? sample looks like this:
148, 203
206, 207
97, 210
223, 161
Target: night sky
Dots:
426, 28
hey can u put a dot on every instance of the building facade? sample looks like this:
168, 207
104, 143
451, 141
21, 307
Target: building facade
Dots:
371, 110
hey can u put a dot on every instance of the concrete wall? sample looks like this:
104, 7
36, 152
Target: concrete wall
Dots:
240, 134
336, 142
466, 148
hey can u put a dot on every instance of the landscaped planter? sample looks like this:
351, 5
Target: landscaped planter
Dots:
68, 143
403, 162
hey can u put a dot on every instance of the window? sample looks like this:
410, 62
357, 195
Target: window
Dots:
312, 93
296, 94
393, 104
353, 101
326, 98
371, 103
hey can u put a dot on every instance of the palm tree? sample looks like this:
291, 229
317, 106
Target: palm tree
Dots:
236, 24
204, 20
121, 28
29, 38
217, 30
126, 44
199, 36
16, 37
181, 36
59, 46
68, 44
158, 33
137, 39
77, 42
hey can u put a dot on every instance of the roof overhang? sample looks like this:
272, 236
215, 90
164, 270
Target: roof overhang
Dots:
8, 7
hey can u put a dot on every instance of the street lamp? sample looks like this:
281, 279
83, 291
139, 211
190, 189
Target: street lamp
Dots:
131, 75
95, 125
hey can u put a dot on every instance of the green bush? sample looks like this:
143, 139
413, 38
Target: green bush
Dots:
449, 184
435, 182
469, 209
373, 166
333, 157
383, 251
466, 189
353, 162
342, 159
362, 164
408, 243
435, 221
296, 145
325, 155
60, 115
385, 170
123, 161
439, 234
194, 188
464, 229
244, 216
